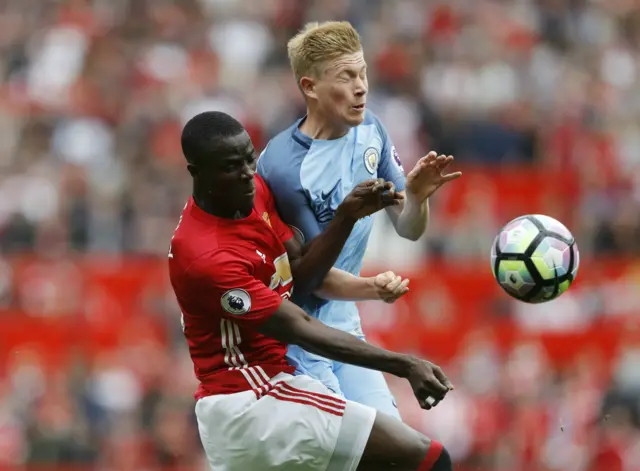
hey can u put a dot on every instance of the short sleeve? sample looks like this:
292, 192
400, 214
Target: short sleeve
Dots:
283, 231
226, 280
292, 204
390, 165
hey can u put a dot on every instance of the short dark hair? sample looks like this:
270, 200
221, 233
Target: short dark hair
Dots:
204, 129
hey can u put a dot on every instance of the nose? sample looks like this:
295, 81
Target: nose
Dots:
248, 171
361, 87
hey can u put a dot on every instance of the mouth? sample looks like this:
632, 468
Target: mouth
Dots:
358, 107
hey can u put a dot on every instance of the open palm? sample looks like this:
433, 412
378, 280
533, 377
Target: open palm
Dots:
429, 174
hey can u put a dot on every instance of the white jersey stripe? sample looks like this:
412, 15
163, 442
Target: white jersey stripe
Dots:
236, 330
247, 376
235, 360
255, 375
223, 332
263, 373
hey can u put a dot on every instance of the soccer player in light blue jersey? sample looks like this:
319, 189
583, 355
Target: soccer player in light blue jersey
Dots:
310, 168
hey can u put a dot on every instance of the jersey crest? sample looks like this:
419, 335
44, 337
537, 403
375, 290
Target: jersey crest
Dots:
371, 159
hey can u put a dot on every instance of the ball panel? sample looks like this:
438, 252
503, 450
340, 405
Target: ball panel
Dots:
548, 293
515, 278
553, 225
552, 257
517, 236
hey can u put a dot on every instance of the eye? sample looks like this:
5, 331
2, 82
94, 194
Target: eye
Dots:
233, 166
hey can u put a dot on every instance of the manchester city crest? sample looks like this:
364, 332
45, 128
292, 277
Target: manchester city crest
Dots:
371, 159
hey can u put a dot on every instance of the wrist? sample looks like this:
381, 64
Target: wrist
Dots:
414, 199
343, 216
371, 289
404, 365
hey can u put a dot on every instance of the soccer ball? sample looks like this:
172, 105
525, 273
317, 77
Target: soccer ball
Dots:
535, 258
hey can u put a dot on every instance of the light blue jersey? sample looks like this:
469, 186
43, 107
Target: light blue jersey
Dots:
309, 179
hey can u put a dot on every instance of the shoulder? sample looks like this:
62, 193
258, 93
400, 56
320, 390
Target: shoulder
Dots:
371, 119
263, 192
216, 264
196, 240
283, 154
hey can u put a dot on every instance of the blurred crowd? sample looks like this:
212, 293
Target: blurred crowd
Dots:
94, 93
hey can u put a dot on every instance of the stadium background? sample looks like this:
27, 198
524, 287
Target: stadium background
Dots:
539, 101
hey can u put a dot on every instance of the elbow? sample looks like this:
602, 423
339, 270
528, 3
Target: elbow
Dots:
413, 237
307, 285
305, 281
413, 234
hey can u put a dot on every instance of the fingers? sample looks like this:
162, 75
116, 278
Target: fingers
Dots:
378, 185
389, 190
430, 157
394, 284
402, 289
383, 279
438, 373
450, 176
398, 292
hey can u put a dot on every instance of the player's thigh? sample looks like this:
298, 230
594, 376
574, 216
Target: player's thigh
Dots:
393, 445
315, 366
367, 387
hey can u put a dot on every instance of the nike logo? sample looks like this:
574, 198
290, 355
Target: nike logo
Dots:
325, 196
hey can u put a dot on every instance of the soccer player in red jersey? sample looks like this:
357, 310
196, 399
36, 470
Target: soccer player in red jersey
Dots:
232, 265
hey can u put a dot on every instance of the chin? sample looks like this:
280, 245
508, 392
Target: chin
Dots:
247, 203
355, 120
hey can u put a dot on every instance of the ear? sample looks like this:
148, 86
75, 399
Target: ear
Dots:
308, 87
193, 170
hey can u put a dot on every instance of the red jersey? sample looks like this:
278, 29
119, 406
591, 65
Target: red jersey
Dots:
229, 276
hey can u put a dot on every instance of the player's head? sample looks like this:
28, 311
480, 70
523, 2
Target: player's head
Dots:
221, 159
330, 69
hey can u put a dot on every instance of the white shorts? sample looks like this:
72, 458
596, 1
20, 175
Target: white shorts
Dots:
296, 424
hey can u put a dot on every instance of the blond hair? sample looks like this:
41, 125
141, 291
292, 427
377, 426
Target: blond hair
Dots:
318, 43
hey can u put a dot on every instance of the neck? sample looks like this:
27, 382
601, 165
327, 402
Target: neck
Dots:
206, 202
317, 126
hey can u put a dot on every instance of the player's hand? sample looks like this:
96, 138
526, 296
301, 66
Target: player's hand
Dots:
369, 197
429, 383
428, 175
390, 286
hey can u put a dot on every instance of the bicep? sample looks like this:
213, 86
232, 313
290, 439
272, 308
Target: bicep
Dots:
293, 246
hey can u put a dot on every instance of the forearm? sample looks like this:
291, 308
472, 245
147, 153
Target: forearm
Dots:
317, 338
310, 269
343, 286
413, 219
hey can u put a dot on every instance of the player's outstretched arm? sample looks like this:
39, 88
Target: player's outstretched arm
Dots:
340, 285
292, 325
311, 263
411, 218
